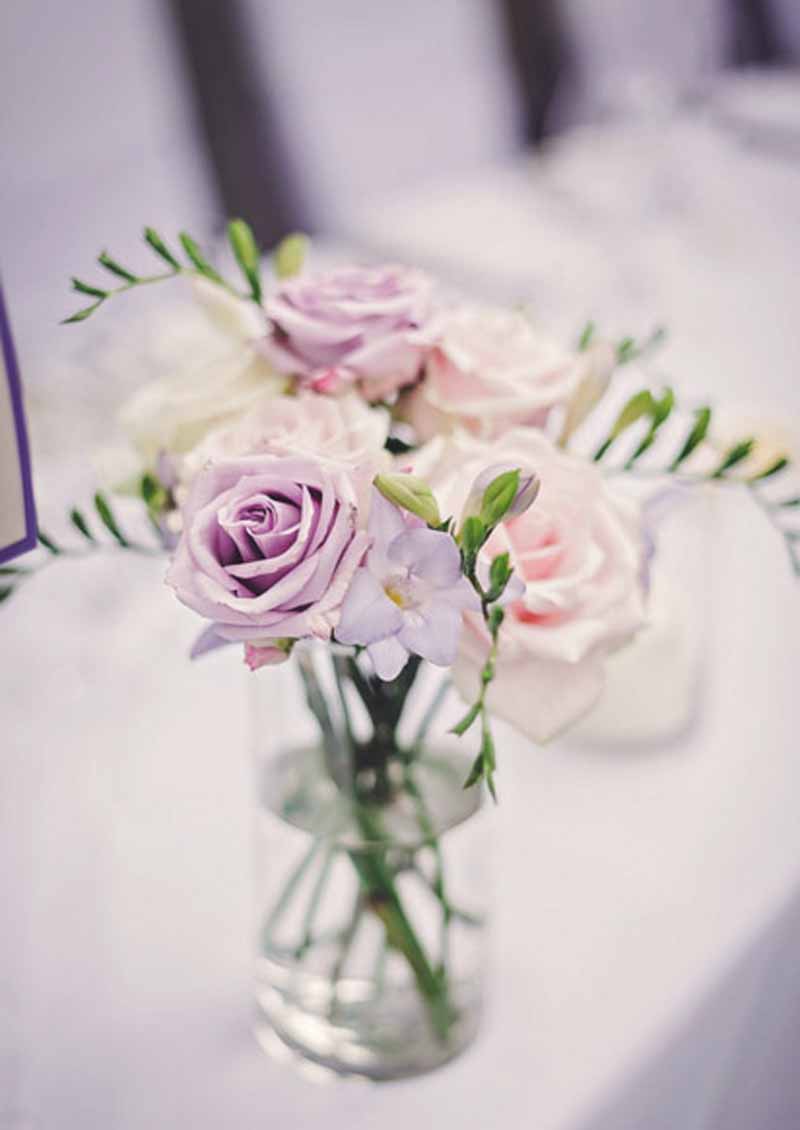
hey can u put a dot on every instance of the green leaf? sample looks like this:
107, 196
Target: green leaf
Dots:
5, 592
13, 570
157, 243
468, 719
289, 255
81, 525
86, 288
476, 772
773, 469
586, 336
499, 497
82, 314
105, 260
106, 516
661, 411
472, 535
48, 543
628, 350
499, 573
735, 455
625, 350
489, 760
640, 404
196, 257
702, 419
245, 250
154, 495
787, 502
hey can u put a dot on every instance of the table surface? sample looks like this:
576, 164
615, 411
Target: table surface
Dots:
639, 891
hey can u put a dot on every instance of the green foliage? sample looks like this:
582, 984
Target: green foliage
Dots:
81, 525
159, 246
630, 350
85, 288
107, 517
115, 268
774, 469
640, 404
247, 255
659, 412
585, 339
702, 419
289, 256
464, 724
499, 575
48, 543
196, 257
734, 455
196, 264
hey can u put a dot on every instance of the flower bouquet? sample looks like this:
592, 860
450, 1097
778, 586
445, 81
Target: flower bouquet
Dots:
398, 505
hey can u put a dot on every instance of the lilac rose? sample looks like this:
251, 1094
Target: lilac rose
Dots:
354, 325
269, 547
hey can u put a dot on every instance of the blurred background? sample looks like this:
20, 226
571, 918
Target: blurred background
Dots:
583, 157
628, 161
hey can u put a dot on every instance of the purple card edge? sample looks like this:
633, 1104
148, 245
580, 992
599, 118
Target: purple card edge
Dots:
15, 387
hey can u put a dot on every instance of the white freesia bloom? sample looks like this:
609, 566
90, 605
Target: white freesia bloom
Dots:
579, 551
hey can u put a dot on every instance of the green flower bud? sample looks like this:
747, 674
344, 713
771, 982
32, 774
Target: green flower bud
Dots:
410, 493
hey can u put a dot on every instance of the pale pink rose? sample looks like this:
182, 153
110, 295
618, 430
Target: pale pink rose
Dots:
488, 371
579, 550
343, 429
354, 325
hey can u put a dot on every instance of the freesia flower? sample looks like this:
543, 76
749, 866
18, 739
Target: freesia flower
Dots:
354, 325
409, 596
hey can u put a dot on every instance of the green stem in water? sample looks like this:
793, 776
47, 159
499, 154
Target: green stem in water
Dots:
313, 904
383, 899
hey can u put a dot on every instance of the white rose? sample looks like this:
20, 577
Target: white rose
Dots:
490, 370
342, 429
216, 376
580, 552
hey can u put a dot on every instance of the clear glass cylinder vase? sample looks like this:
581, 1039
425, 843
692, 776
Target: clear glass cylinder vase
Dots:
371, 867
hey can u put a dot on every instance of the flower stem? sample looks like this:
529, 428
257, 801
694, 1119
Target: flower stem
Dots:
383, 899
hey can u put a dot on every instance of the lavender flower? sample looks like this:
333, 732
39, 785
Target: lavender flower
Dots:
409, 595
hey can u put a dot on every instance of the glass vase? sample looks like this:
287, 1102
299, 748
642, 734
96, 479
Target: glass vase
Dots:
371, 867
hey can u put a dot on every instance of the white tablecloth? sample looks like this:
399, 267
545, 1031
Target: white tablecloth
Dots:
646, 900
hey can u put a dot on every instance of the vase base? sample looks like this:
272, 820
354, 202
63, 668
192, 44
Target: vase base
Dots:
391, 1041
